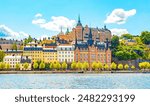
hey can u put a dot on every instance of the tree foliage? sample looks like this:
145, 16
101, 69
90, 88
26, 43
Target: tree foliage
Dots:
64, 65
145, 37
2, 55
35, 65
120, 66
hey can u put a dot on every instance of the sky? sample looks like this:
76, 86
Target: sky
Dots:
44, 18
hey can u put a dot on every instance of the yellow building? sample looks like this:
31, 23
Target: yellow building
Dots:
49, 52
36, 52
13, 52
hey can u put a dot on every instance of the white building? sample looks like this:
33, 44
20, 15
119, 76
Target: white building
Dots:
65, 53
12, 60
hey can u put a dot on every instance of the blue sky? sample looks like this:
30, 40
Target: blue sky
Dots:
17, 17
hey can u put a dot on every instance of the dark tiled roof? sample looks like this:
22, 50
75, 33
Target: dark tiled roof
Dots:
49, 50
33, 49
25, 60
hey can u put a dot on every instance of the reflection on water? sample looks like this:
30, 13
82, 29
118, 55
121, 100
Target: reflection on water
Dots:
75, 81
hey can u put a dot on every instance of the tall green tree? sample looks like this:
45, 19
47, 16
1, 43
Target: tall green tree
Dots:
120, 66
79, 66
2, 55
30, 39
73, 65
114, 42
35, 65
7, 66
42, 65
17, 66
100, 66
126, 67
106, 67
64, 65
2, 66
145, 37
51, 66
14, 46
127, 36
85, 66
94, 66
26, 66
113, 66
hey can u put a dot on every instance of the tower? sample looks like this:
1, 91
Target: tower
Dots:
79, 30
90, 40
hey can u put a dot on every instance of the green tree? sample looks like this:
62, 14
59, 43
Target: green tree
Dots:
113, 66
2, 55
26, 65
14, 46
106, 67
64, 65
144, 65
2, 65
123, 55
94, 66
114, 42
7, 66
42, 65
120, 66
35, 65
58, 66
100, 65
85, 66
79, 66
145, 37
133, 67
51, 66
17, 67
30, 39
73, 65
127, 36
126, 67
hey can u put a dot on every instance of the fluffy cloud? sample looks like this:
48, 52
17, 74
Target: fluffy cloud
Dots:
119, 32
38, 21
38, 15
119, 16
6, 32
55, 23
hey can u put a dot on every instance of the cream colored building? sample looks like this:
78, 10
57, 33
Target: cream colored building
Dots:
65, 53
12, 61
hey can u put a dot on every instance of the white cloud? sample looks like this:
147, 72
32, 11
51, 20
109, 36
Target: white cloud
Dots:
55, 23
38, 21
38, 15
8, 33
119, 16
119, 32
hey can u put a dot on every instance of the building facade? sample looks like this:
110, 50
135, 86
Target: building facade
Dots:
8, 44
23, 61
36, 52
65, 53
81, 33
13, 52
50, 52
92, 51
12, 61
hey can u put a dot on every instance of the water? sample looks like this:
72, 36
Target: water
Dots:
75, 81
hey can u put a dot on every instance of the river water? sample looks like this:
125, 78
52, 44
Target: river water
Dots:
75, 81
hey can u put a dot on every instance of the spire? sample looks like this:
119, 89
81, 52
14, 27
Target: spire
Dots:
79, 22
90, 34
61, 32
79, 18
67, 31
105, 27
